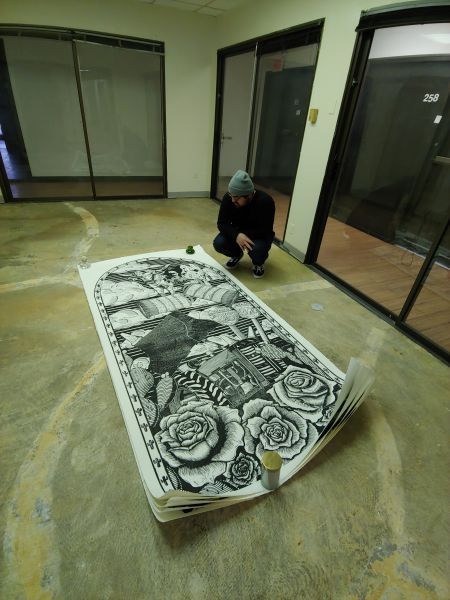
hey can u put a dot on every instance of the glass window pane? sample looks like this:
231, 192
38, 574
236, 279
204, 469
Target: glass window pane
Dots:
235, 126
42, 143
386, 209
430, 314
283, 89
122, 103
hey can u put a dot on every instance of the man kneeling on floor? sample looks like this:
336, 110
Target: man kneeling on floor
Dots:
245, 223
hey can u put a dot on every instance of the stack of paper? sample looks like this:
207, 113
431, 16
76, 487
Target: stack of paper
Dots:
209, 378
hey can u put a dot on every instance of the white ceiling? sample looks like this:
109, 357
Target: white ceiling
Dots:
214, 8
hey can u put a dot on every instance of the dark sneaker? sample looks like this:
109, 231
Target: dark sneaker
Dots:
258, 271
233, 262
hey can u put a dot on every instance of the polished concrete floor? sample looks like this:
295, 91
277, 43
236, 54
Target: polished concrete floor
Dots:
367, 519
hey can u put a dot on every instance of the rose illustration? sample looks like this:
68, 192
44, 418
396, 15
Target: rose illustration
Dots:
200, 439
272, 427
243, 470
308, 393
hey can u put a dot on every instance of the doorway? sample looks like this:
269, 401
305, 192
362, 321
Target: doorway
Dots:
263, 94
237, 73
385, 232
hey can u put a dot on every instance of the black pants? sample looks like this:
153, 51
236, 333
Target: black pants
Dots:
228, 246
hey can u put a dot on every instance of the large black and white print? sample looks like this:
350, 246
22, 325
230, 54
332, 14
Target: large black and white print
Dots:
214, 380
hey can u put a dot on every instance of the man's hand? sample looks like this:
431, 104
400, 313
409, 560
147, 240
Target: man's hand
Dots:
244, 242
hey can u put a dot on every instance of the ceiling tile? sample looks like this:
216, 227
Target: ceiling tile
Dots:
225, 4
197, 2
206, 10
206, 7
176, 4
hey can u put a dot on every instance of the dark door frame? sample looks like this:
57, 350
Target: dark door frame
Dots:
415, 13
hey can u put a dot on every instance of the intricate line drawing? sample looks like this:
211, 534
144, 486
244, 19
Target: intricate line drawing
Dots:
214, 380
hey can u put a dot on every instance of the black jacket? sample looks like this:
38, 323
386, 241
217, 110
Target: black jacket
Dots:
255, 219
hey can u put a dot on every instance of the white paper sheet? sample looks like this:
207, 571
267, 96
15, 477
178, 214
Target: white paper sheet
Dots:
208, 378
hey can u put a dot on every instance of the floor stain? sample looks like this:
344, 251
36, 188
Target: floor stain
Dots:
92, 230
30, 550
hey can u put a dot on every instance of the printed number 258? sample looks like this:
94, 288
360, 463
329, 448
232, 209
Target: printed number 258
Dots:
430, 98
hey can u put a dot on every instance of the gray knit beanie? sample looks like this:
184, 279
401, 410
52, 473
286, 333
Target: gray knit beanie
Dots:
240, 184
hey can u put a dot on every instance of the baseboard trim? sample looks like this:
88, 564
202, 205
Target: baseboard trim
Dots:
293, 251
188, 195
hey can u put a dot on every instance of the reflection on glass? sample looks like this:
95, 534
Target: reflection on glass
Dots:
122, 102
42, 144
236, 106
283, 90
430, 314
389, 203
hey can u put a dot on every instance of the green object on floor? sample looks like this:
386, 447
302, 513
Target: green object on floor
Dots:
190, 250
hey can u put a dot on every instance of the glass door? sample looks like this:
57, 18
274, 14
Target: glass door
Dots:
42, 146
122, 92
235, 118
390, 194
430, 313
283, 90
81, 116
428, 309
262, 107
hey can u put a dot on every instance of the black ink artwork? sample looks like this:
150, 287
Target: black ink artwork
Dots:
213, 379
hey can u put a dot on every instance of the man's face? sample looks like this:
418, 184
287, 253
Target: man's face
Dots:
240, 201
